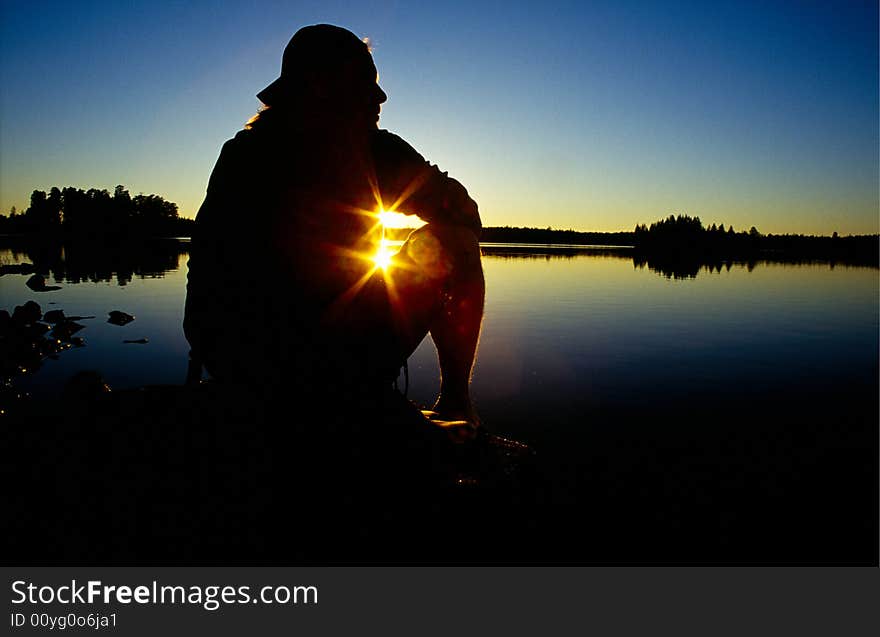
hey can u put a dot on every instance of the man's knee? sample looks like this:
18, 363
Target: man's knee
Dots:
441, 250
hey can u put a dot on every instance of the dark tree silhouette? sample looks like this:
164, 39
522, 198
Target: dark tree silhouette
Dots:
680, 245
96, 213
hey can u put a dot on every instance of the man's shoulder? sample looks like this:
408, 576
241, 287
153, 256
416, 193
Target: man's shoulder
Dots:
387, 144
244, 141
382, 135
247, 154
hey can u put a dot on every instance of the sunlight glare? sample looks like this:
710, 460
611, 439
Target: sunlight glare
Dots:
383, 255
396, 220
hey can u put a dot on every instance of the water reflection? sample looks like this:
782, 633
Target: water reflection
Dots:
578, 319
703, 417
669, 265
86, 261
552, 252
681, 267
144, 279
606, 327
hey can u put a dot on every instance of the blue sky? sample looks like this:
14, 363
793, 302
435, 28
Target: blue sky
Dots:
594, 116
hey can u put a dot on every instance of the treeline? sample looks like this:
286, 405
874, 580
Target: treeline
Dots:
683, 235
687, 234
74, 212
507, 234
547, 236
538, 236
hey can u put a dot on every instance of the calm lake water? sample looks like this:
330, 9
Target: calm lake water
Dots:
564, 330
723, 413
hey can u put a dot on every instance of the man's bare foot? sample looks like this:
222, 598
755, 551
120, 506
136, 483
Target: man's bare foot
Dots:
453, 409
458, 419
458, 431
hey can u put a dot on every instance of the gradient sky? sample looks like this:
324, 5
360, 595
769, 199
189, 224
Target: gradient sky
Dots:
589, 115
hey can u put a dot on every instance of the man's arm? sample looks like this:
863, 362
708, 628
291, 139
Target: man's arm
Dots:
411, 185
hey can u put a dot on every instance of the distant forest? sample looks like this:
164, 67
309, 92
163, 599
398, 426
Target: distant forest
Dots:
73, 212
686, 236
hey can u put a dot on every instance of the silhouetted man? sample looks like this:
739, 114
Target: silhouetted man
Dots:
284, 293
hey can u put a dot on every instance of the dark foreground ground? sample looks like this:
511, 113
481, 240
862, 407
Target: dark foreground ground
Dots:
194, 476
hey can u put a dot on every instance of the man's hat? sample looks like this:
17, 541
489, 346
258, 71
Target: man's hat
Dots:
320, 47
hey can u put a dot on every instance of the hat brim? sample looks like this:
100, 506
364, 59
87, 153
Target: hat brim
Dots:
272, 92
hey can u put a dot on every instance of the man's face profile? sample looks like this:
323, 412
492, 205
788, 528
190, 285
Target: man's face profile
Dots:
355, 89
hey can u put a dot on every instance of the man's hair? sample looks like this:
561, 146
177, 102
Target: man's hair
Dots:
259, 118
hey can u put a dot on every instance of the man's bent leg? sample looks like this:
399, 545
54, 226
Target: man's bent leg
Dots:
433, 285
451, 254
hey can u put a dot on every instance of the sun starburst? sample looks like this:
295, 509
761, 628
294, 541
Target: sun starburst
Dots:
384, 254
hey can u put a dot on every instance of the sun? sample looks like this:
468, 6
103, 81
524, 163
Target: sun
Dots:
387, 219
384, 254
391, 219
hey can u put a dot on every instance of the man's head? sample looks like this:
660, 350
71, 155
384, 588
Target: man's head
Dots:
328, 69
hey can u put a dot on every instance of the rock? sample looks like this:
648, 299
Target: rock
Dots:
36, 330
66, 329
30, 312
38, 284
120, 318
54, 316
25, 341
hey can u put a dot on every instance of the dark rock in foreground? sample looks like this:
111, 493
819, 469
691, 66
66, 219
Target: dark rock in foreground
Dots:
27, 313
54, 316
24, 343
205, 474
